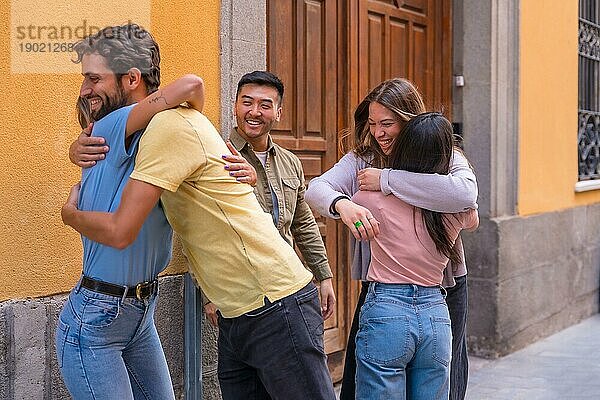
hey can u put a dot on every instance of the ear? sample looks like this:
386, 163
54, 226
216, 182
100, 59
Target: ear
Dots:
278, 114
132, 79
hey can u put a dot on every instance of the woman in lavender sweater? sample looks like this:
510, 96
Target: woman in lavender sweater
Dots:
364, 168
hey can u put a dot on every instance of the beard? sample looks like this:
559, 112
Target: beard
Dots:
110, 103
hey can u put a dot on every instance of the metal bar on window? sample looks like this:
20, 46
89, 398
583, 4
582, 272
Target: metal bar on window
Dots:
588, 133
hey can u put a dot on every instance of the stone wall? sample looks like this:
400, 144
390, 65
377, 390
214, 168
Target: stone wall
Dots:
210, 383
530, 277
28, 368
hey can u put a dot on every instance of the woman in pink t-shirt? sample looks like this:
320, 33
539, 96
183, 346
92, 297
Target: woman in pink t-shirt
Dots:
365, 167
403, 347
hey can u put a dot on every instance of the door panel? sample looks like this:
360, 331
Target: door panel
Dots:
302, 51
409, 39
399, 36
329, 54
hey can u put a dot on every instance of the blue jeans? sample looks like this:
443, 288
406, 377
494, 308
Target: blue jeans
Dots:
458, 302
404, 344
276, 351
108, 348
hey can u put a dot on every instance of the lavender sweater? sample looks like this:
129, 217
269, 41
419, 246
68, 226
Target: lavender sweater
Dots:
450, 193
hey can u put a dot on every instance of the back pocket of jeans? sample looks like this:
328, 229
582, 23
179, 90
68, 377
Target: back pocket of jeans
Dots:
442, 340
310, 308
384, 340
62, 331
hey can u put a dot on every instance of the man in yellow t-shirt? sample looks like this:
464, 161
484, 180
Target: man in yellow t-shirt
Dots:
270, 328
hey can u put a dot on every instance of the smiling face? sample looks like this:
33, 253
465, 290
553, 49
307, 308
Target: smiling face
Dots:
257, 109
384, 126
100, 87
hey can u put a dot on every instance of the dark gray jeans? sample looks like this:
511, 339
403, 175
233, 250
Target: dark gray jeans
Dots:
457, 301
276, 351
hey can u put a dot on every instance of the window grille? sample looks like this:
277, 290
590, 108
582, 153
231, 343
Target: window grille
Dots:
588, 134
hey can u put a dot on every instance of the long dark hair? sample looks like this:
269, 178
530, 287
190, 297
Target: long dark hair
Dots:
399, 96
425, 145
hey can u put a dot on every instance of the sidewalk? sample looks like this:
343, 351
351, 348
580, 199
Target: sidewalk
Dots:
564, 366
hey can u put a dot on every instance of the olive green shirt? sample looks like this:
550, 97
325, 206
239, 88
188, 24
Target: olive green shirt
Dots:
284, 175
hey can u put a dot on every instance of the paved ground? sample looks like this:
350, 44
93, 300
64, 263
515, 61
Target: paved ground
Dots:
565, 366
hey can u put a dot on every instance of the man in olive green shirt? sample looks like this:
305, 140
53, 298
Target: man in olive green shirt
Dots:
280, 179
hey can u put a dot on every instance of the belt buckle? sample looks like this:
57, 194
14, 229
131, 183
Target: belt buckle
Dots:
138, 290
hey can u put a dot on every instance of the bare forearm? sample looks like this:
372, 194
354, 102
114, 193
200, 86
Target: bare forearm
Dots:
118, 229
100, 227
196, 95
188, 88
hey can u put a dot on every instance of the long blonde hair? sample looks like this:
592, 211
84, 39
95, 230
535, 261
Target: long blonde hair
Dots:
399, 96
84, 113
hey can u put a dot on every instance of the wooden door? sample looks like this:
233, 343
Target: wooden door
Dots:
409, 39
329, 54
404, 38
302, 50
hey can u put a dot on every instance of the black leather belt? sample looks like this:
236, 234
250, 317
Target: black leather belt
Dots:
141, 291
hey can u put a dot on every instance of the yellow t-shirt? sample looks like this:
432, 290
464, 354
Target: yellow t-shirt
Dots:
234, 250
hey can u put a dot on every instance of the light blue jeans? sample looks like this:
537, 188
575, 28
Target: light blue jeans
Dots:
108, 348
404, 344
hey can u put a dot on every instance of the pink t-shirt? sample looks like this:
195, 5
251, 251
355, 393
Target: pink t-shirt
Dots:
403, 252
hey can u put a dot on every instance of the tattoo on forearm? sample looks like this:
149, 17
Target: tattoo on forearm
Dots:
159, 98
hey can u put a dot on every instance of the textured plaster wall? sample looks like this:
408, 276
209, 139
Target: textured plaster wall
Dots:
38, 254
548, 108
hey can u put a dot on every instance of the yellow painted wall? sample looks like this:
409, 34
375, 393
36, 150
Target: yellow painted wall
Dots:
548, 107
38, 254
